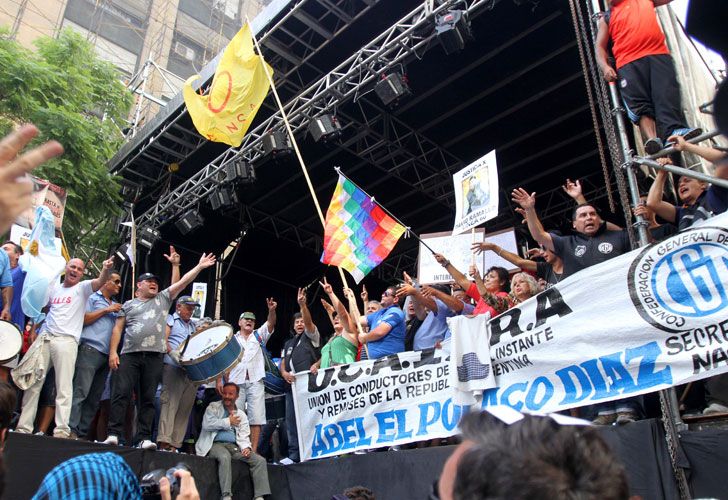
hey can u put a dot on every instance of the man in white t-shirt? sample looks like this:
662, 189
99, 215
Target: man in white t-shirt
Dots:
59, 335
250, 372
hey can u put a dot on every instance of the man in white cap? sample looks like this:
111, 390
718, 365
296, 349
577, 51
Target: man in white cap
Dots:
178, 391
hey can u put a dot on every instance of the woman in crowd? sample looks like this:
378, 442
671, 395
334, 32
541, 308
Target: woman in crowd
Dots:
342, 347
523, 287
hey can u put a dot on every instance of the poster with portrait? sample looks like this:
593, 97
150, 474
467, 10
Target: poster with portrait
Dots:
476, 193
199, 293
48, 194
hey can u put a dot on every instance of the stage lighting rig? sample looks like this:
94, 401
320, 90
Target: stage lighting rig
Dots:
325, 128
189, 221
147, 237
223, 197
453, 30
237, 171
276, 144
392, 87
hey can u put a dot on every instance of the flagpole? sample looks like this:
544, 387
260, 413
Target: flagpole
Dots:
409, 231
298, 154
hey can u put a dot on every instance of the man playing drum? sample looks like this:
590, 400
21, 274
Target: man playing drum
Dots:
140, 364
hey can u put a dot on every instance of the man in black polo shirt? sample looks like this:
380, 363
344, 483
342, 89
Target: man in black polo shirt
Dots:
591, 244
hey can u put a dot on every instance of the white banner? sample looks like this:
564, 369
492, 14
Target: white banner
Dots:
641, 322
394, 400
644, 321
476, 193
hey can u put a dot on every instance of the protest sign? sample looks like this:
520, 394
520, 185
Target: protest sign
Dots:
48, 194
370, 404
476, 193
454, 247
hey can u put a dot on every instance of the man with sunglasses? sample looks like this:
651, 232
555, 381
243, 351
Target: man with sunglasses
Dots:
386, 328
92, 360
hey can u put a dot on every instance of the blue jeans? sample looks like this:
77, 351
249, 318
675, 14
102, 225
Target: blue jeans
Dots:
92, 366
291, 429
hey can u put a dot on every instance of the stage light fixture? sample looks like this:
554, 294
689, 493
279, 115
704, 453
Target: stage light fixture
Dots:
189, 221
223, 197
276, 144
453, 30
147, 237
122, 253
392, 87
325, 128
237, 170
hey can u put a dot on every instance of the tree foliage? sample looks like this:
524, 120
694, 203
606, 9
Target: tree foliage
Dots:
65, 89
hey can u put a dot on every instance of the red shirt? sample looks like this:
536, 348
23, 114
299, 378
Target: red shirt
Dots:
635, 31
481, 306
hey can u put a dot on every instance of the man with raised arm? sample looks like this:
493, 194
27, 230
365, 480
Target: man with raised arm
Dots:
591, 244
142, 320
58, 343
250, 372
300, 353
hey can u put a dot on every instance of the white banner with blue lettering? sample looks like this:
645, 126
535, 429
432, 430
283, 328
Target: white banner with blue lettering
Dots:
644, 321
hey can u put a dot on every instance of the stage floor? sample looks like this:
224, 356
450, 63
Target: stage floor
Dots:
396, 475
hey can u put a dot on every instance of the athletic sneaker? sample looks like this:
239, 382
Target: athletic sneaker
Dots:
286, 461
626, 417
113, 440
653, 145
147, 445
715, 408
688, 133
605, 419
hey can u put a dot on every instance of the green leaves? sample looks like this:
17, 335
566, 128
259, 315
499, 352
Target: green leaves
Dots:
57, 88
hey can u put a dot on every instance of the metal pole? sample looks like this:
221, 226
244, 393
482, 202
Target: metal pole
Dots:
694, 174
668, 399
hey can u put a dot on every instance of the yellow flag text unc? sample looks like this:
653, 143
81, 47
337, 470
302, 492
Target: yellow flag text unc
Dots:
237, 91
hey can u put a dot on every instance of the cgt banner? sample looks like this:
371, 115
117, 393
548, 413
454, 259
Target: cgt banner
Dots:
640, 322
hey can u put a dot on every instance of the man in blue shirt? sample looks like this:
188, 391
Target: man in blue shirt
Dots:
6, 283
178, 391
92, 361
386, 328
13, 252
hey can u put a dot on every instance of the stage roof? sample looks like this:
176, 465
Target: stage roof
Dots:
517, 87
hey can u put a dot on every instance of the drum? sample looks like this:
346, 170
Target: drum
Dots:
209, 353
10, 341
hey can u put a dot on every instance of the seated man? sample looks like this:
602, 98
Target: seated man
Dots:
225, 436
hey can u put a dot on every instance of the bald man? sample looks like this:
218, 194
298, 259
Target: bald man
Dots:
59, 336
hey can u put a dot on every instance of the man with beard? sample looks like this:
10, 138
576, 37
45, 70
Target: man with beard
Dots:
140, 364
59, 338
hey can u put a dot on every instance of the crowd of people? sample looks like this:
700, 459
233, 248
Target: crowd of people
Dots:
91, 349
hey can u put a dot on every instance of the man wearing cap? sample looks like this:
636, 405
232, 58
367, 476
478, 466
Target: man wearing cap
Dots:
142, 320
178, 391
250, 372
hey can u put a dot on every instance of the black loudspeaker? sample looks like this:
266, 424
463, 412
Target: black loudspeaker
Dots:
706, 21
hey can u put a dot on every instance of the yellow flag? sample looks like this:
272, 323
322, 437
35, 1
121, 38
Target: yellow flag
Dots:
237, 91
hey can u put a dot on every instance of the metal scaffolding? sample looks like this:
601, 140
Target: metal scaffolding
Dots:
343, 83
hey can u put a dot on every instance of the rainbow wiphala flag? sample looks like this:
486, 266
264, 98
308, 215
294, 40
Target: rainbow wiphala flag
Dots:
358, 235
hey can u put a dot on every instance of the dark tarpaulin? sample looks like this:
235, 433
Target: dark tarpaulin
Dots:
399, 475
